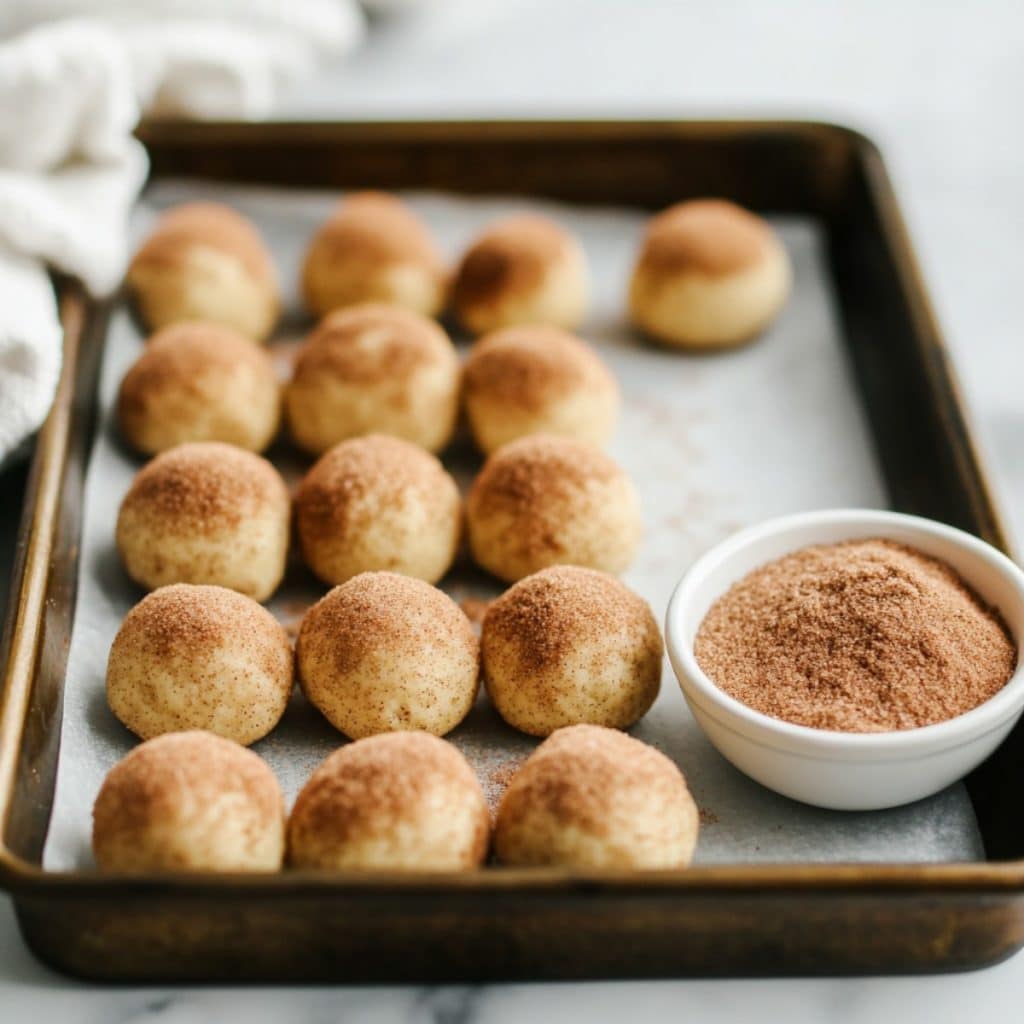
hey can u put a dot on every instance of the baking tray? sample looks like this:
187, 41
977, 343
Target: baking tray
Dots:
508, 923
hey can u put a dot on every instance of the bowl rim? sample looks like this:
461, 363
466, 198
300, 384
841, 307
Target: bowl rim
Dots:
809, 741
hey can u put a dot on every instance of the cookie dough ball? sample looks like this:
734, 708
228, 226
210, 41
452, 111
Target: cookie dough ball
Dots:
543, 501
385, 652
596, 798
206, 513
189, 801
373, 248
710, 275
537, 380
199, 657
522, 270
199, 382
570, 645
374, 369
203, 261
378, 503
399, 802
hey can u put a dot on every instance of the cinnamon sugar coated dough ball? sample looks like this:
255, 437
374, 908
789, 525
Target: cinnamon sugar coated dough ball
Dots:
385, 652
199, 382
525, 269
374, 369
206, 513
596, 798
399, 802
537, 380
543, 501
204, 261
710, 274
200, 657
373, 248
570, 645
189, 801
378, 502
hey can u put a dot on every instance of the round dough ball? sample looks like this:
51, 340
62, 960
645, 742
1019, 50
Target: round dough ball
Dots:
374, 369
570, 645
199, 382
384, 652
399, 802
206, 513
378, 502
710, 275
189, 801
590, 797
543, 501
522, 270
373, 248
537, 380
204, 261
199, 657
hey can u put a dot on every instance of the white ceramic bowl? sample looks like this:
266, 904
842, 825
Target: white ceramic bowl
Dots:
846, 771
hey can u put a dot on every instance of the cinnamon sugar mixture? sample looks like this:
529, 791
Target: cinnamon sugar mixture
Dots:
865, 636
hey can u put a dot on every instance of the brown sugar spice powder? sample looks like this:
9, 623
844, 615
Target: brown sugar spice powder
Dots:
864, 636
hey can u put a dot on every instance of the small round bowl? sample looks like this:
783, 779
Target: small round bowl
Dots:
841, 770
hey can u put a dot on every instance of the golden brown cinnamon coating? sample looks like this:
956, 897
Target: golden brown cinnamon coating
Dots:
710, 274
537, 380
524, 269
378, 502
200, 657
570, 645
373, 248
385, 652
206, 513
398, 802
199, 382
543, 501
374, 369
596, 798
204, 261
189, 801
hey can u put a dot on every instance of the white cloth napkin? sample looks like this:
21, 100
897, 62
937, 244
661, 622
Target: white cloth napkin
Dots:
71, 92
211, 58
69, 172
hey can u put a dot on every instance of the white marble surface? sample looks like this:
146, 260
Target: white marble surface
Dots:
940, 85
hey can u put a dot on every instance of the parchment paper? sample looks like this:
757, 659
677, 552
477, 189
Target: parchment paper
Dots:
712, 442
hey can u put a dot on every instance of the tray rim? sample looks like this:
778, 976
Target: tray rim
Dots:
77, 311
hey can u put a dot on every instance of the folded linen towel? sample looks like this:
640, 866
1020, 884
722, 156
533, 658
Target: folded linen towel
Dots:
71, 92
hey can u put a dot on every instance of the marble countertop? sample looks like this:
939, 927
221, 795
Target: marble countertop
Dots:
939, 87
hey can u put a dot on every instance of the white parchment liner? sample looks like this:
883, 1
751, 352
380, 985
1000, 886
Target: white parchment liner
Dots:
712, 442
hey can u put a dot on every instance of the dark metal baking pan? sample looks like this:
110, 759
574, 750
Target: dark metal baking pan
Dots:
501, 923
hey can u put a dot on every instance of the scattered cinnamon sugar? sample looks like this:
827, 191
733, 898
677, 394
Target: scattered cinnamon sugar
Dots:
205, 486
374, 790
351, 482
377, 610
707, 236
372, 343
566, 609
527, 367
547, 485
375, 228
864, 636
510, 258
707, 817
494, 780
207, 224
